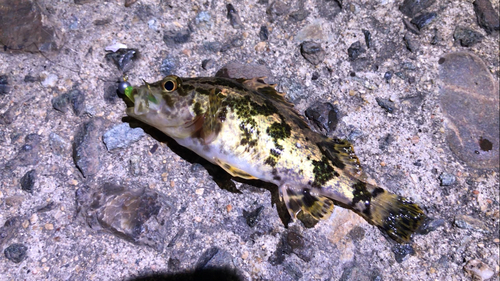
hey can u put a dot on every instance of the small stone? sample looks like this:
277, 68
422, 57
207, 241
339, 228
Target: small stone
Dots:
264, 33
77, 101
86, 148
123, 58
423, 20
467, 37
168, 65
310, 32
4, 85
213, 46
252, 217
411, 8
401, 252
466, 222
16, 252
328, 9
122, 136
486, 15
312, 52
410, 43
199, 191
27, 26
388, 76
386, 104
205, 257
229, 208
479, 269
172, 37
248, 71
469, 100
28, 181
57, 144
368, 38
355, 50
295, 240
299, 15
49, 80
411, 27
233, 16
28, 154
135, 167
447, 179
203, 20
207, 63
49, 226
324, 115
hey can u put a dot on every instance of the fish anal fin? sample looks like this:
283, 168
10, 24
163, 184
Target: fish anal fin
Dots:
233, 171
303, 199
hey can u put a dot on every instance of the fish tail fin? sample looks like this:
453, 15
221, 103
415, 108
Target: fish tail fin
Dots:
397, 216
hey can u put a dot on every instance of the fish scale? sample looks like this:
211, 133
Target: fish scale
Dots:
248, 128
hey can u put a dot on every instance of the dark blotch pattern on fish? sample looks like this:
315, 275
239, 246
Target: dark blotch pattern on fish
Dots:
323, 172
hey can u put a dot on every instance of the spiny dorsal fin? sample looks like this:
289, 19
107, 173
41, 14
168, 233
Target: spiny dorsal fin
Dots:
269, 90
341, 154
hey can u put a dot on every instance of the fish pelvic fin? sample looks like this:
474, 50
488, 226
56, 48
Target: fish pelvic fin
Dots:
395, 215
303, 199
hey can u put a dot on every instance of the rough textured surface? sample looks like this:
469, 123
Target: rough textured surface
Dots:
206, 233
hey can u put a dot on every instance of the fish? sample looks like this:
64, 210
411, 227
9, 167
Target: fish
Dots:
250, 130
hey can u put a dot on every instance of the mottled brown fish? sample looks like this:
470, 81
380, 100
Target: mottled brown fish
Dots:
246, 127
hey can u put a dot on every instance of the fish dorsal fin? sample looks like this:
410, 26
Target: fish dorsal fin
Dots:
269, 90
233, 171
305, 200
341, 154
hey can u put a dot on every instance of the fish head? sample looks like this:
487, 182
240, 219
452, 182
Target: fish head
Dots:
167, 105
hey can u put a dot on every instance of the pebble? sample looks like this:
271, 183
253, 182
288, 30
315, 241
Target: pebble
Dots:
264, 33
49, 79
470, 103
207, 63
86, 147
199, 191
172, 37
233, 16
168, 65
115, 47
479, 269
410, 43
423, 20
123, 58
447, 179
355, 50
328, 9
122, 136
486, 15
411, 8
368, 38
28, 154
324, 115
411, 27
4, 85
49, 226
26, 26
467, 222
57, 144
310, 32
248, 71
252, 217
401, 252
312, 52
299, 15
203, 20
386, 104
16, 252
28, 181
467, 37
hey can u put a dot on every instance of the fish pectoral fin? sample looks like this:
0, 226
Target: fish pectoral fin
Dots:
302, 199
233, 171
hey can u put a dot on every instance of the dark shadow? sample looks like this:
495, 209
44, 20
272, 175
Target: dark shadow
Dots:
209, 274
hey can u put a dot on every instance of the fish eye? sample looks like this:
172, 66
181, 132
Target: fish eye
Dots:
170, 85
